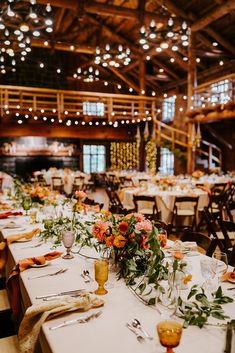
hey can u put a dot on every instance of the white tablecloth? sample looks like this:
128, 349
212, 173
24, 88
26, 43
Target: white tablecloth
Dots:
106, 334
165, 199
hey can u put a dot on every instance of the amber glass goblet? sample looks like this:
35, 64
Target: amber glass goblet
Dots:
101, 275
169, 333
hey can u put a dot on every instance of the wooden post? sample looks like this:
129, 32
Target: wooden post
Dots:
142, 86
192, 82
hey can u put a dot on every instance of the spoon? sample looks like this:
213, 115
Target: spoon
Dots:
87, 274
136, 324
138, 337
86, 280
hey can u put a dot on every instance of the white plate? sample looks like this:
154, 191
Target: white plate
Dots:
38, 266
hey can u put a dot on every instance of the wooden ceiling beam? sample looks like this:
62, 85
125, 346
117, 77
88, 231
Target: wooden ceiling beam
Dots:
213, 15
62, 46
58, 19
96, 8
190, 17
124, 78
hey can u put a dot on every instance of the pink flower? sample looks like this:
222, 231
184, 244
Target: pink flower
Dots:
145, 226
80, 194
100, 230
138, 216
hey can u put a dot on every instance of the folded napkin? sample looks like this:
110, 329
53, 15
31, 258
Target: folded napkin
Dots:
9, 214
229, 276
13, 280
28, 235
37, 314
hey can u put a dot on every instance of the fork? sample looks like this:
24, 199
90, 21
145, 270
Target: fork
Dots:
81, 320
62, 270
139, 338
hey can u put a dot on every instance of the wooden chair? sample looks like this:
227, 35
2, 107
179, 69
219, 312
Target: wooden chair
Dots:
180, 210
126, 182
115, 204
90, 184
78, 183
149, 209
57, 184
202, 240
143, 181
214, 231
9, 344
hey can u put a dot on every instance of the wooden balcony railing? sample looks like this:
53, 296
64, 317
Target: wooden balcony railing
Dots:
70, 104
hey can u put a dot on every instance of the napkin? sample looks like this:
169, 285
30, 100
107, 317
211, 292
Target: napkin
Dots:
37, 314
9, 214
13, 280
229, 276
28, 235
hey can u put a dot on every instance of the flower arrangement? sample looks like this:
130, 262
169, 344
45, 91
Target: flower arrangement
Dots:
134, 242
80, 197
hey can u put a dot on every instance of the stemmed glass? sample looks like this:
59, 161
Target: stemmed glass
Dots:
206, 271
101, 275
219, 264
68, 237
26, 204
169, 333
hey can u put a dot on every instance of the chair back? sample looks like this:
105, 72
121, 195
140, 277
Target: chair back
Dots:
202, 240
145, 202
187, 203
57, 183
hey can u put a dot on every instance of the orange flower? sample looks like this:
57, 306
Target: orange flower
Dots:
178, 255
163, 239
187, 279
109, 241
123, 227
119, 241
100, 230
143, 243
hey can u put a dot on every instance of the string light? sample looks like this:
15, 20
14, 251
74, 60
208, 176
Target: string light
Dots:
115, 57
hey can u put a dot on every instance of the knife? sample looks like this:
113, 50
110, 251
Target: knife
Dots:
70, 292
228, 341
80, 320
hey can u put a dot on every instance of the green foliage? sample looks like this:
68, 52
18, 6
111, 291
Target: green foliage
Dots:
198, 308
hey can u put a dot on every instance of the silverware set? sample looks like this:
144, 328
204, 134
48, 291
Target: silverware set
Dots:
136, 328
72, 293
86, 276
58, 272
80, 320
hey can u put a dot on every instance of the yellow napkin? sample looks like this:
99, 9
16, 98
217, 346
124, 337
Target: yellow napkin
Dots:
28, 235
37, 314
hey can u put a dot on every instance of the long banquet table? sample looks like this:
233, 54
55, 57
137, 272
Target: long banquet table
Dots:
107, 333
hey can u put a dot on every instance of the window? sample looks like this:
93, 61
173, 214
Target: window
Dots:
221, 91
94, 160
93, 108
168, 109
166, 162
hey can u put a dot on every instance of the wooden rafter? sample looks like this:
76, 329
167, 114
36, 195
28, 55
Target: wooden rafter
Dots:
107, 10
124, 78
213, 15
191, 17
62, 46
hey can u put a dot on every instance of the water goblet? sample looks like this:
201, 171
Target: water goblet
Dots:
219, 264
26, 204
206, 271
169, 333
68, 238
101, 275
33, 216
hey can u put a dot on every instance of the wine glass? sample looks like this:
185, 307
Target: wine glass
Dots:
26, 204
219, 264
206, 271
68, 237
167, 297
169, 333
101, 275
